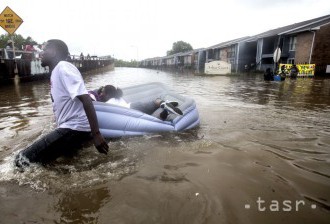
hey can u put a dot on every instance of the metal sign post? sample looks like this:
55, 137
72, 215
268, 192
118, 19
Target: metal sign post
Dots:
276, 58
10, 22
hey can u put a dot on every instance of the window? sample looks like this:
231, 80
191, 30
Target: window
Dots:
231, 52
290, 60
293, 42
217, 54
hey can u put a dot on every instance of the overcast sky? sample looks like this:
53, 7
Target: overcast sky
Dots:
131, 29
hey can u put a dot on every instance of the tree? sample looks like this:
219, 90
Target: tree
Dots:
29, 40
19, 40
179, 46
122, 63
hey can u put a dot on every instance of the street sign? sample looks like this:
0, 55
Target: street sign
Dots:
277, 54
9, 20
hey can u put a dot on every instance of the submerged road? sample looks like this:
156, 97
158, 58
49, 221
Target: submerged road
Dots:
260, 155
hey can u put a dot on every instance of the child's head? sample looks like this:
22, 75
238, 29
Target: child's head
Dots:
109, 91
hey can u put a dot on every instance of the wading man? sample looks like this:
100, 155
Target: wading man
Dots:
73, 109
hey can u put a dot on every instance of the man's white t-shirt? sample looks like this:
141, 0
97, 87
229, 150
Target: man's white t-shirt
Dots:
66, 84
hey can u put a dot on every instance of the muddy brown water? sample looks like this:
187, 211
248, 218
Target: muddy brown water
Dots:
260, 155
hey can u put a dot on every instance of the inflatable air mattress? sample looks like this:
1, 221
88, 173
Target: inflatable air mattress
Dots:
116, 121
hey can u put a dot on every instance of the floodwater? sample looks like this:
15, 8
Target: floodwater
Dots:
260, 155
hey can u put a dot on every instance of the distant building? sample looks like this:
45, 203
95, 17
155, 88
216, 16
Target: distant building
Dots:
237, 52
306, 42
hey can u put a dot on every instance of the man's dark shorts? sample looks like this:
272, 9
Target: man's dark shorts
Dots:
60, 142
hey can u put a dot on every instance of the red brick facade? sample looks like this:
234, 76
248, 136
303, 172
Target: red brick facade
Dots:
303, 47
321, 51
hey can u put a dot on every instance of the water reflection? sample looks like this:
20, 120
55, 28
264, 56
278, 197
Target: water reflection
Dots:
298, 94
273, 138
20, 103
82, 205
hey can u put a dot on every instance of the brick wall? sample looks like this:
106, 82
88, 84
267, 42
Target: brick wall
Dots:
303, 47
321, 51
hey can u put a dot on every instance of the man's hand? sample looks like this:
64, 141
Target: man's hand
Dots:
100, 143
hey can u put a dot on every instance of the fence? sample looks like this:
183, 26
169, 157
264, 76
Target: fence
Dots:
30, 68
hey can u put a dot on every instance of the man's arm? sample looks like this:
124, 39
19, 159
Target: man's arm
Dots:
99, 141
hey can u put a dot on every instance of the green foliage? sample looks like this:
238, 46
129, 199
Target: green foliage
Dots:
19, 40
122, 63
179, 47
